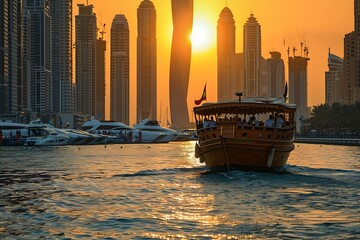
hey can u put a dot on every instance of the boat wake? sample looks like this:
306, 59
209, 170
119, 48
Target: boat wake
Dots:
166, 171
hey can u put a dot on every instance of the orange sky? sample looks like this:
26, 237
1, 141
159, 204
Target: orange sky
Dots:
320, 24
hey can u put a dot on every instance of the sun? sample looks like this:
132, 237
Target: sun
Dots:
203, 35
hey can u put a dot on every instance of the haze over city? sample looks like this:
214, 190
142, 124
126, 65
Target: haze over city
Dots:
318, 24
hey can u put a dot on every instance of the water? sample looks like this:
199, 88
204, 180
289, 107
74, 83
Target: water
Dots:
162, 192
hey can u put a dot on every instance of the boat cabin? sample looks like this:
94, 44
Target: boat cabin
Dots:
266, 119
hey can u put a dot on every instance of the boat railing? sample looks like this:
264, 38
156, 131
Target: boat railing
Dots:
226, 129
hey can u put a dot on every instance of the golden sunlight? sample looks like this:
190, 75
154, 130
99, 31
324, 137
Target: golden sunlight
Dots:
203, 36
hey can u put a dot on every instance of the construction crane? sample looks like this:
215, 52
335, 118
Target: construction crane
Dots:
102, 32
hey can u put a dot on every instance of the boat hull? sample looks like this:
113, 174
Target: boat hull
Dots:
224, 154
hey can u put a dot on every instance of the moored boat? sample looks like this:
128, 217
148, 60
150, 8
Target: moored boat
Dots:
240, 137
44, 136
147, 125
123, 133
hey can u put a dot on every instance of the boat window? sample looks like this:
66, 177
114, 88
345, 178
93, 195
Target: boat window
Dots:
11, 127
121, 128
152, 123
85, 128
104, 127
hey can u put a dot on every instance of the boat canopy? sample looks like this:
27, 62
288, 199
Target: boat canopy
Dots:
246, 106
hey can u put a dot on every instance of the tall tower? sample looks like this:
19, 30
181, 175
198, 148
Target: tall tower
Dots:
182, 14
41, 82
146, 62
10, 57
348, 82
298, 86
277, 75
100, 78
252, 57
351, 72
4, 57
119, 70
333, 78
61, 54
85, 50
228, 81
26, 58
356, 87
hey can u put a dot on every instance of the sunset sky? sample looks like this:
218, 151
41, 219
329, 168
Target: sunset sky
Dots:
320, 24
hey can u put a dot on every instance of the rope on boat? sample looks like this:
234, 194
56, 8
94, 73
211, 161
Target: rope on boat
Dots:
271, 156
225, 153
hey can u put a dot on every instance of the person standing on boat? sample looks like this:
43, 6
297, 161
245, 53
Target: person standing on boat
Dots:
279, 121
270, 122
206, 122
253, 121
212, 122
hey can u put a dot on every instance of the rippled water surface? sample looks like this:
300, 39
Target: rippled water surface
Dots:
162, 192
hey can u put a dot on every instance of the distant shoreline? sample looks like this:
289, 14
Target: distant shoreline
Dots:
330, 141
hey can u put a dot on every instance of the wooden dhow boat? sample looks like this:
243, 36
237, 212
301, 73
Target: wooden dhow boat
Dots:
240, 137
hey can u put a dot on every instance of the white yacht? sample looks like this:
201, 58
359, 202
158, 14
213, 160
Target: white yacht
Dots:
44, 136
80, 137
147, 125
122, 132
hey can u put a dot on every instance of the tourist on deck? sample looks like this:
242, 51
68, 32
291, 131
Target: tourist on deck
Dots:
212, 122
279, 121
206, 122
244, 122
253, 121
239, 122
270, 122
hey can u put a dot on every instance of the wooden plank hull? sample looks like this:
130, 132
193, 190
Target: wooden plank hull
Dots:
223, 153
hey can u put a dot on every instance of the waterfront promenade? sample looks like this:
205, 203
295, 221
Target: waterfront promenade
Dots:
331, 141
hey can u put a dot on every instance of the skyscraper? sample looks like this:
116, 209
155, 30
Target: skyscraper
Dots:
333, 78
182, 14
252, 57
146, 62
100, 78
61, 54
41, 84
348, 82
10, 57
229, 81
356, 95
276, 84
26, 59
85, 50
4, 57
298, 86
119, 70
351, 72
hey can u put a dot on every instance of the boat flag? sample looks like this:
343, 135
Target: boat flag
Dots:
285, 93
203, 97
